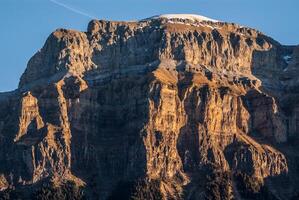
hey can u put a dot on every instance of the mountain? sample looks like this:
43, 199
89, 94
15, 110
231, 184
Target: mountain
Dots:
169, 107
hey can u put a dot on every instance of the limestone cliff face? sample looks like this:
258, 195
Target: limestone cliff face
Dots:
155, 109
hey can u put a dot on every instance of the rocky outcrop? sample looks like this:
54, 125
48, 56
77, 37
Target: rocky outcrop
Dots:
156, 109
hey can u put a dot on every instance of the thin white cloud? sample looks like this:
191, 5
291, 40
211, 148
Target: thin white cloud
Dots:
73, 9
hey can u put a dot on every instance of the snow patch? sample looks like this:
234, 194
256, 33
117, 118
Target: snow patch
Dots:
287, 58
285, 69
192, 17
68, 75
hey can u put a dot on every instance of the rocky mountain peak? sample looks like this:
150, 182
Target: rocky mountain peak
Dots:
170, 107
146, 41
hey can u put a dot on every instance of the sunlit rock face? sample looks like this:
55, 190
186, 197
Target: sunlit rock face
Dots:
170, 107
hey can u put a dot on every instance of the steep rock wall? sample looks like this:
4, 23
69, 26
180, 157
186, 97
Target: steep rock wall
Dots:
152, 109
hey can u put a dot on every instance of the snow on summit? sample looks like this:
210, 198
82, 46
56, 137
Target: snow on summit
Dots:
192, 17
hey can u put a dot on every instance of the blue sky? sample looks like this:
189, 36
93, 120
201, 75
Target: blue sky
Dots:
25, 24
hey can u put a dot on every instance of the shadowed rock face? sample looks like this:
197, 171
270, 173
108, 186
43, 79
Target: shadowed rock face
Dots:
155, 109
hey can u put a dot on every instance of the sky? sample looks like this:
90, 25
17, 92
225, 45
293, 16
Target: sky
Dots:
26, 24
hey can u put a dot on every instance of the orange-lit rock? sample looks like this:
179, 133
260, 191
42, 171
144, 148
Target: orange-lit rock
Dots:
154, 109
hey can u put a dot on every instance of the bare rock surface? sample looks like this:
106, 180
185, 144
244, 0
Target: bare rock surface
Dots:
169, 107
